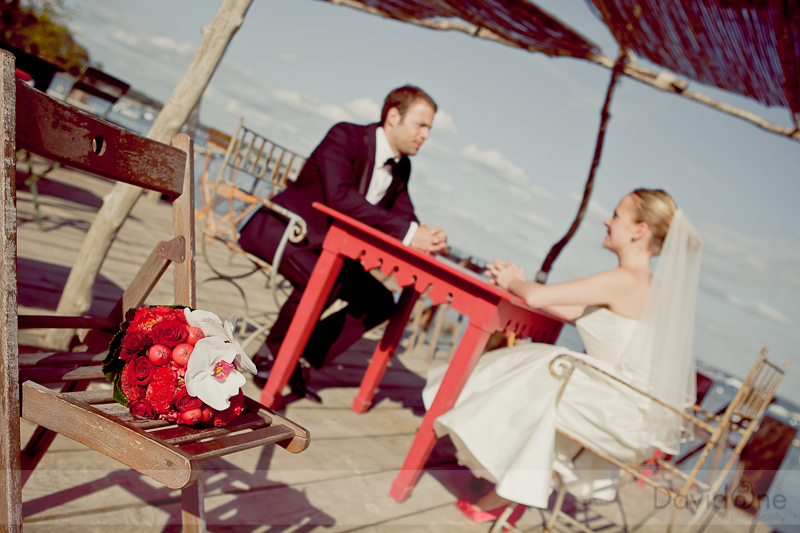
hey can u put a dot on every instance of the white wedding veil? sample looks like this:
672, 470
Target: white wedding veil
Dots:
660, 354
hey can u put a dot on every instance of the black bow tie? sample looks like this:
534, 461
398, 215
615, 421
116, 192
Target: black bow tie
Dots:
390, 163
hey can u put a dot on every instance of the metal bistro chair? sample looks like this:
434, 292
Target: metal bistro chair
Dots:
741, 417
254, 169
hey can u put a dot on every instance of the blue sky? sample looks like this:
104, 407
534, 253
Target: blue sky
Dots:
511, 146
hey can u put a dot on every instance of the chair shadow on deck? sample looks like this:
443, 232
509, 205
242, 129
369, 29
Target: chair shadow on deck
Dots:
65, 191
398, 384
253, 499
40, 285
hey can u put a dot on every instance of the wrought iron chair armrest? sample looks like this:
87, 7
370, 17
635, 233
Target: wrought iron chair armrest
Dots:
563, 370
297, 225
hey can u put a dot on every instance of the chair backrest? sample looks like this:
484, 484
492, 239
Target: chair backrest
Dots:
270, 164
83, 142
758, 389
254, 169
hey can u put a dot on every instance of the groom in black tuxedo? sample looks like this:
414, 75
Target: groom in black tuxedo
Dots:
363, 172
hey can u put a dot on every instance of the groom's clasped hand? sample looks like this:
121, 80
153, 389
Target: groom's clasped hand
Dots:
431, 240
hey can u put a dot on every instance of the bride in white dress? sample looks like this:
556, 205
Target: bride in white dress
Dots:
504, 422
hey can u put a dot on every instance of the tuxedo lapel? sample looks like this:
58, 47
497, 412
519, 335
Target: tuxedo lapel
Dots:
368, 152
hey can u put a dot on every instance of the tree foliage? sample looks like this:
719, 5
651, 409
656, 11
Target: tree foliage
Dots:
39, 28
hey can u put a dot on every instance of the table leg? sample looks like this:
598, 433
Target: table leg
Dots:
308, 311
385, 350
469, 349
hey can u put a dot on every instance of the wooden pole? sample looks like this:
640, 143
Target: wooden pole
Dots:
10, 479
77, 296
541, 276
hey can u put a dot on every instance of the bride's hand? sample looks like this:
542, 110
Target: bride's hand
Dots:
504, 274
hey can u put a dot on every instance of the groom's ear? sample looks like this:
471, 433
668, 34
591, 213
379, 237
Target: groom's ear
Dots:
393, 118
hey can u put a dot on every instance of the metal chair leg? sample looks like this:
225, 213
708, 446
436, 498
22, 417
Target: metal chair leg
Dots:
502, 521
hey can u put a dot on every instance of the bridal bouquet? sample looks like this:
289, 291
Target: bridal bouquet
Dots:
176, 364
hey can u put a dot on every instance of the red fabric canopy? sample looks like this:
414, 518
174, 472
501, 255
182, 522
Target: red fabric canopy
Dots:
750, 47
517, 21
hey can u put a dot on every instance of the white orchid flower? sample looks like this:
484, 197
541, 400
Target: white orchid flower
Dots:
210, 373
242, 361
212, 326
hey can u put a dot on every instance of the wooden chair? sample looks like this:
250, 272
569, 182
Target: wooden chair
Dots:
254, 169
169, 453
742, 416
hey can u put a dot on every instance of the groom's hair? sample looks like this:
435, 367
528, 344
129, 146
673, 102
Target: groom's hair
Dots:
404, 97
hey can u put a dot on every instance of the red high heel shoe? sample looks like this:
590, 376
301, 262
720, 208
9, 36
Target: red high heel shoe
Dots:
476, 515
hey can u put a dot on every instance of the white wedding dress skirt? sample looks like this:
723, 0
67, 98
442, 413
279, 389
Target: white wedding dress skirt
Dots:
504, 421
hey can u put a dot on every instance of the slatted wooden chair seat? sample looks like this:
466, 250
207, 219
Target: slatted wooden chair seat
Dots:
742, 417
169, 453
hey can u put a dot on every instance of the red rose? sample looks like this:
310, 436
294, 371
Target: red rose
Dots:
143, 370
141, 407
184, 402
131, 390
170, 333
162, 389
223, 418
133, 343
145, 318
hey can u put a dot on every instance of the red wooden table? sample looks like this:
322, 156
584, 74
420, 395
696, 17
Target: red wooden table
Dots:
488, 307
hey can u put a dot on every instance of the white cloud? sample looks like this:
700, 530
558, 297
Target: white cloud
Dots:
470, 216
496, 163
126, 38
168, 44
435, 149
307, 104
521, 231
443, 124
256, 118
364, 109
518, 239
542, 192
525, 194
284, 57
536, 220
756, 307
760, 308
332, 112
439, 186
424, 185
593, 208
762, 264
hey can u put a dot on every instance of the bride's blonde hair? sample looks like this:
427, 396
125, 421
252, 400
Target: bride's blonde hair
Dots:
655, 208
